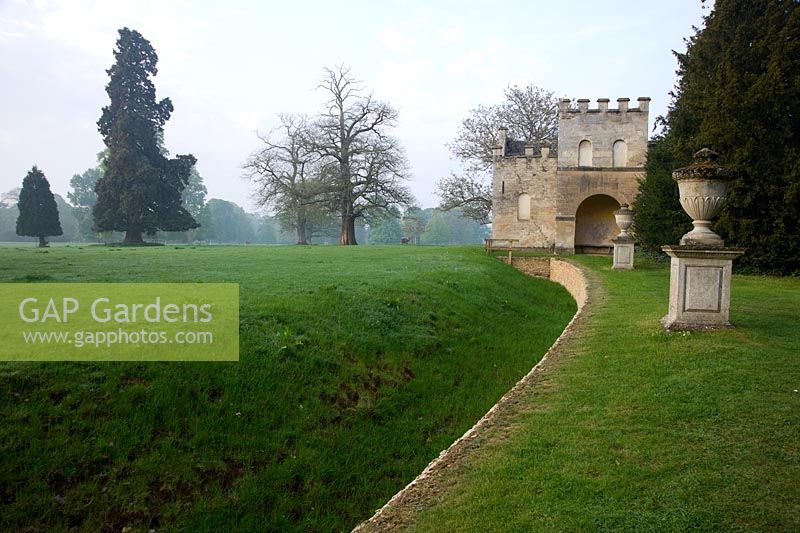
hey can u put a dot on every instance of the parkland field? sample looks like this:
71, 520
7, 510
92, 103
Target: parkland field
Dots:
358, 365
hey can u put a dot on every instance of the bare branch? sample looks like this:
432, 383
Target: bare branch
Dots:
529, 113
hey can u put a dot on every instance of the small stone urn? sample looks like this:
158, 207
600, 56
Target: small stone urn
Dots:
623, 243
703, 191
624, 218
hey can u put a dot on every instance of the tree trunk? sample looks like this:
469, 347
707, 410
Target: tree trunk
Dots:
133, 236
348, 235
43, 241
302, 233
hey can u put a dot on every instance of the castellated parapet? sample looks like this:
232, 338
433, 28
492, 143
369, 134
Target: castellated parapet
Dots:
565, 200
602, 127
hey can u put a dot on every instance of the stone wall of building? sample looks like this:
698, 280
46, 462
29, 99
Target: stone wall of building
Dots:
534, 175
576, 186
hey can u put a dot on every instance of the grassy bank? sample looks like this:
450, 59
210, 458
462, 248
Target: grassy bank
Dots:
636, 429
357, 366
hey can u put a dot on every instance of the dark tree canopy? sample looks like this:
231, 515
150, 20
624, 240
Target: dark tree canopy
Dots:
739, 94
658, 214
140, 191
38, 212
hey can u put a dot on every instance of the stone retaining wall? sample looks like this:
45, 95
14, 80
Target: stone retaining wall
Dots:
572, 278
533, 266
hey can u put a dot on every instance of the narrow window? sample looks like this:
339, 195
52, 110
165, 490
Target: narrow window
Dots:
524, 207
585, 154
502, 187
620, 154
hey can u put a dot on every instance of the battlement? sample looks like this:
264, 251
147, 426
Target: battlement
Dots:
589, 138
565, 106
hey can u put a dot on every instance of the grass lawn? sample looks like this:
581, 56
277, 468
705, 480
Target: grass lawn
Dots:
635, 429
357, 366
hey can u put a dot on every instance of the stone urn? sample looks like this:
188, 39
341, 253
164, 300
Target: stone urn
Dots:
703, 191
624, 218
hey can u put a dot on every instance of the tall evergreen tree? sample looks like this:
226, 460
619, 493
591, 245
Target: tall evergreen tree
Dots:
739, 94
140, 191
38, 213
658, 216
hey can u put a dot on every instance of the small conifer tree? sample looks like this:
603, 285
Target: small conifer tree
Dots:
38, 213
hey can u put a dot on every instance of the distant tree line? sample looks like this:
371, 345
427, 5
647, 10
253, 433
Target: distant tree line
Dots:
427, 226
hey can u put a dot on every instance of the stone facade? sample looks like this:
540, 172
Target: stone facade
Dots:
565, 201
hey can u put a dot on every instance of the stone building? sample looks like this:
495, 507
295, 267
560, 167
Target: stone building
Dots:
565, 201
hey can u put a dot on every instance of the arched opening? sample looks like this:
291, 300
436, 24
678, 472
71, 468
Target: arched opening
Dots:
595, 225
620, 154
524, 207
585, 154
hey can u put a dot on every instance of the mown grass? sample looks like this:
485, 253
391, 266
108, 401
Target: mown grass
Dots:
357, 366
635, 429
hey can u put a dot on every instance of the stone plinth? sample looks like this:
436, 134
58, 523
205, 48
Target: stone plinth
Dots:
699, 287
623, 253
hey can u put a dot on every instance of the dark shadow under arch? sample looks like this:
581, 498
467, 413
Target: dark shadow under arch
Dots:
595, 225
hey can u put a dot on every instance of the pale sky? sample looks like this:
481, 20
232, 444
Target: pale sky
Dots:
230, 66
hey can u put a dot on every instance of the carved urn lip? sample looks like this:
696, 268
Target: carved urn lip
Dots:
704, 167
623, 210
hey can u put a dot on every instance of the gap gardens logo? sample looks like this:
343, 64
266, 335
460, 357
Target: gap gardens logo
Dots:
119, 322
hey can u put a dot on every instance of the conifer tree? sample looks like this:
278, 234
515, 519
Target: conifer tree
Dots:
140, 191
658, 216
38, 213
739, 94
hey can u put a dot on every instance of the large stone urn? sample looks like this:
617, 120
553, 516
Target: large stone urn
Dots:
623, 243
701, 266
703, 191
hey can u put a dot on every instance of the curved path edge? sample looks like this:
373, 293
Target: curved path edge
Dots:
573, 278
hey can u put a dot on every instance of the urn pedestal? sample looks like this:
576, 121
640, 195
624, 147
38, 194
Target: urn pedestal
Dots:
699, 287
623, 253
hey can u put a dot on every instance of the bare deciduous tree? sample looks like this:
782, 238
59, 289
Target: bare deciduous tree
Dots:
471, 191
290, 176
353, 132
529, 113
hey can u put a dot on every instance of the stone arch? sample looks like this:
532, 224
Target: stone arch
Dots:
524, 207
585, 153
595, 225
619, 154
